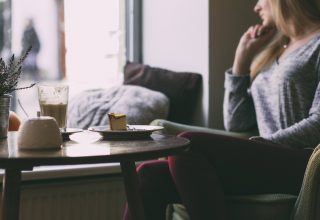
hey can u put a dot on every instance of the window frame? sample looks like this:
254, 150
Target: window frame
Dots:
134, 46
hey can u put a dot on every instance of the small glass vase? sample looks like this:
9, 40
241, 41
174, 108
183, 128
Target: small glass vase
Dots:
5, 101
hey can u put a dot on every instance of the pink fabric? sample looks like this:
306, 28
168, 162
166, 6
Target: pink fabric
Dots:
157, 189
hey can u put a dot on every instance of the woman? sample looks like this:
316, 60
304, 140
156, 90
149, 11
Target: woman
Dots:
274, 85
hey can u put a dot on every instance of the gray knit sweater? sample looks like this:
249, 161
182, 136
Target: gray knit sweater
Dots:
283, 100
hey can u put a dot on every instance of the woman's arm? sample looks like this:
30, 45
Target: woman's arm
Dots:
305, 133
238, 109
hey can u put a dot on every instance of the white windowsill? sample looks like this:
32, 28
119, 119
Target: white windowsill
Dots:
54, 172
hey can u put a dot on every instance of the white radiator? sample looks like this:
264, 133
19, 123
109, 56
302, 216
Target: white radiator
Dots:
92, 199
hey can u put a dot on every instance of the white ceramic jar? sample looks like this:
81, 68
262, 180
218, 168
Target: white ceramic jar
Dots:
39, 133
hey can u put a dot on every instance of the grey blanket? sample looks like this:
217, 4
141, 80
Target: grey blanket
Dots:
141, 105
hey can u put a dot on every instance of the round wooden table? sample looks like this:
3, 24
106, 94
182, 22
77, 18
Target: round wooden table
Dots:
84, 148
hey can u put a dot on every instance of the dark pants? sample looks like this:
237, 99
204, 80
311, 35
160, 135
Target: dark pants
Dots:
216, 166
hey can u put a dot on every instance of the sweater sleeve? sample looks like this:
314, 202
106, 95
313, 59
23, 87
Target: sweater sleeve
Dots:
238, 108
305, 133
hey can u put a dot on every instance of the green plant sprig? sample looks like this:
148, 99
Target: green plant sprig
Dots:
10, 74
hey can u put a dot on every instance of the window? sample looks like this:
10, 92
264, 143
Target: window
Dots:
94, 42
81, 43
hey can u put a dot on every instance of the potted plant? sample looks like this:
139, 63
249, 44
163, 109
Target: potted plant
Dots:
9, 76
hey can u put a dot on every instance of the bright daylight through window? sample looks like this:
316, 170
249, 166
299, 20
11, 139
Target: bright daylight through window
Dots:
81, 43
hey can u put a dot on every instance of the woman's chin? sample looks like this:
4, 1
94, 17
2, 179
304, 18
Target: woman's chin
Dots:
268, 24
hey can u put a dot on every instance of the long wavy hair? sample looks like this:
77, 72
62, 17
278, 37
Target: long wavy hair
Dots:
299, 13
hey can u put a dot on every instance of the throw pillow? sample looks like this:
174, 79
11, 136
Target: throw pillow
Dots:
141, 105
182, 88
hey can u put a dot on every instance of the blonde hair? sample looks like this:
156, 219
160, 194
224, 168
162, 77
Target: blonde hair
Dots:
300, 13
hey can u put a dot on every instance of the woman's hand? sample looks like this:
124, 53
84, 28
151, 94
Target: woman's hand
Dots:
251, 42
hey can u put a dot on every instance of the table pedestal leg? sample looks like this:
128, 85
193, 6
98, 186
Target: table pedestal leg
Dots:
11, 194
131, 184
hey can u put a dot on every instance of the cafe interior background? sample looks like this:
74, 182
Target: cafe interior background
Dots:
73, 42
85, 44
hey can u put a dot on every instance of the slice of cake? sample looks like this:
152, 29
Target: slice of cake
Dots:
117, 121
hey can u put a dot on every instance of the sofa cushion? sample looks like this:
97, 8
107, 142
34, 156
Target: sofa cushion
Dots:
182, 88
141, 105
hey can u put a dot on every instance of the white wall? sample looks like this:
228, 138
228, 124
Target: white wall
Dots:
175, 36
199, 36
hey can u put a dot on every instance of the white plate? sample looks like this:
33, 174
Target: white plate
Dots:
69, 131
133, 131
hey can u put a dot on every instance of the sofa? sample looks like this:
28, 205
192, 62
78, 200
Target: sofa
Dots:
147, 93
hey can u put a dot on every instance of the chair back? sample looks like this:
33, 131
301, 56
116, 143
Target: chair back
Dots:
307, 206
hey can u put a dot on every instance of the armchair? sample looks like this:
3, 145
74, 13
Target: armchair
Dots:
175, 128
259, 207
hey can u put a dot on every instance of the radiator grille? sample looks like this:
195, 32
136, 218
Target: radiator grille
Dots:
98, 199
